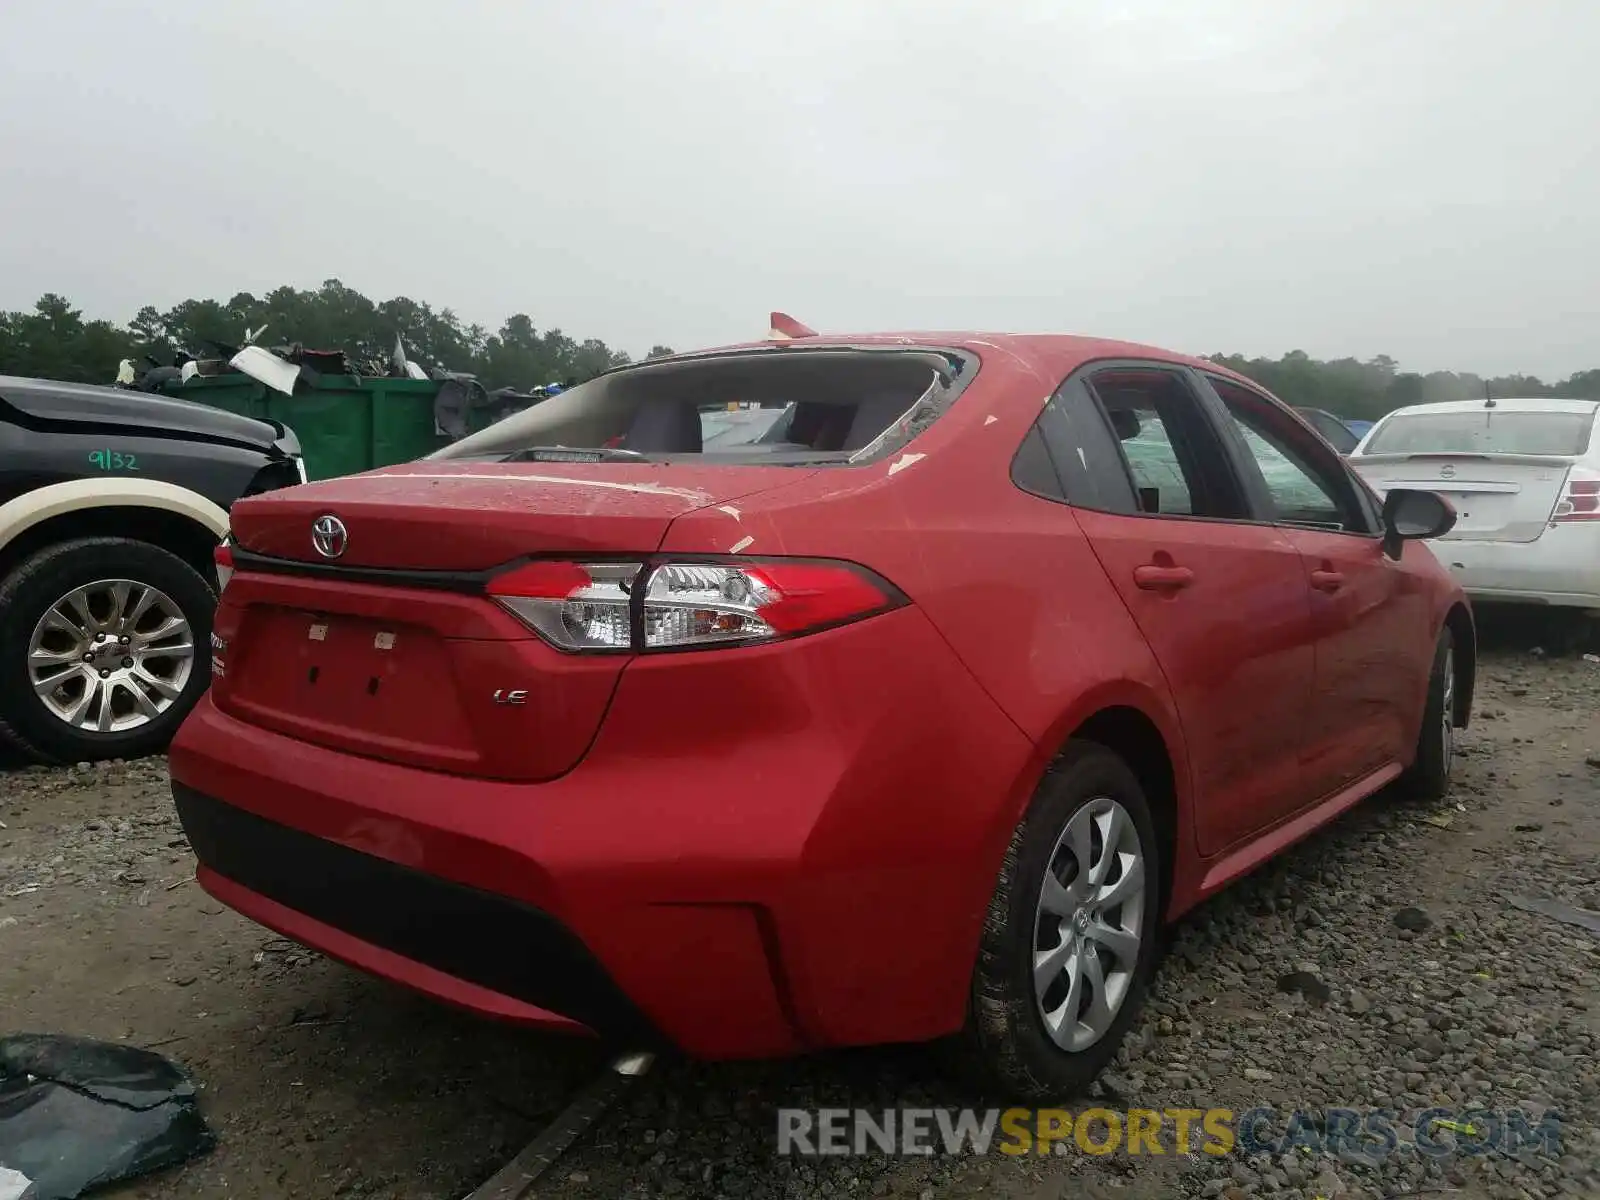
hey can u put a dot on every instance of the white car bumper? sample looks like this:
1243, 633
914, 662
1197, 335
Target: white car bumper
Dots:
1562, 567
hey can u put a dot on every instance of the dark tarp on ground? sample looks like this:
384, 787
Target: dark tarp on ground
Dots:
77, 1115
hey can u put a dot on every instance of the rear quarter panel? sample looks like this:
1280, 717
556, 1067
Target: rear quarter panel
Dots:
1005, 577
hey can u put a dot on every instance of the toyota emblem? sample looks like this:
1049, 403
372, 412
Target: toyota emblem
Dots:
329, 537
1447, 471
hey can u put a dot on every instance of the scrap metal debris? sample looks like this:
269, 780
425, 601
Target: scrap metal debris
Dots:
512, 1181
77, 1115
1568, 914
461, 403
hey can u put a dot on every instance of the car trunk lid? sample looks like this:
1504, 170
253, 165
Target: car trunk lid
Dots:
1497, 497
391, 648
453, 516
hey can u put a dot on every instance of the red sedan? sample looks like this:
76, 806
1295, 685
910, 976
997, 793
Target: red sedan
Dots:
818, 692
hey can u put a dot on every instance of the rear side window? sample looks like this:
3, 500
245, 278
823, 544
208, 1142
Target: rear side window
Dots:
1158, 475
1133, 439
1070, 455
813, 406
1170, 449
1484, 431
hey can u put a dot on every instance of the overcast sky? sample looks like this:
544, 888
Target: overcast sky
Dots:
1413, 177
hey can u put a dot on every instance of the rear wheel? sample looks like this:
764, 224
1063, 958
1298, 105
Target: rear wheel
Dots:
104, 646
1070, 939
1430, 774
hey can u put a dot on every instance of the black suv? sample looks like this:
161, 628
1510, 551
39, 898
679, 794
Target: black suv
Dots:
112, 505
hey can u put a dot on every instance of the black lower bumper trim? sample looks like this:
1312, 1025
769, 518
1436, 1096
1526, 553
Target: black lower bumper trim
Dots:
482, 938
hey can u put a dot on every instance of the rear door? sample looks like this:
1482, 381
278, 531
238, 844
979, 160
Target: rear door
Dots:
1221, 600
1371, 619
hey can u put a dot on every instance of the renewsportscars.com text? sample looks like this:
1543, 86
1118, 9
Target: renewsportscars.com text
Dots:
1369, 1134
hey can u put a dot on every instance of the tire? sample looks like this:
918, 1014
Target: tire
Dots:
109, 570
1429, 776
1006, 1039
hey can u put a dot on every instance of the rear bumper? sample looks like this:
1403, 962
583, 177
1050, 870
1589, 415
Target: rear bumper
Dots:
1562, 567
806, 865
308, 887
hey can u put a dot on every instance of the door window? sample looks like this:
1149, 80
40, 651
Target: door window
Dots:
1158, 475
1170, 448
1304, 490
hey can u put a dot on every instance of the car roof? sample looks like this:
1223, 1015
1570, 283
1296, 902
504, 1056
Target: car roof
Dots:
1546, 404
1060, 352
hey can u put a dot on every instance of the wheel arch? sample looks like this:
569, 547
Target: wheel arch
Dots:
1132, 736
1141, 728
174, 518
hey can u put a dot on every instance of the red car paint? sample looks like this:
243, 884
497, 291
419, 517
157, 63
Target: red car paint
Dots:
777, 847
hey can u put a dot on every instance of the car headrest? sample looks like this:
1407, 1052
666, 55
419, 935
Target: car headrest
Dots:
873, 415
665, 428
1125, 423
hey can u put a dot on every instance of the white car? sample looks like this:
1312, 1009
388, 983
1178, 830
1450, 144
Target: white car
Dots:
1524, 476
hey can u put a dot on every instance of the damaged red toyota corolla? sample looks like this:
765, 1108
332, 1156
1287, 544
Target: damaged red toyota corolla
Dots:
846, 691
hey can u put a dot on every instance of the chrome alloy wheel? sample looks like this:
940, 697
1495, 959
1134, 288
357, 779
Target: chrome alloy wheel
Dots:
1088, 924
111, 656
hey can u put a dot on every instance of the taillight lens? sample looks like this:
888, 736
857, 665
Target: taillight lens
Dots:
590, 606
573, 606
222, 556
1581, 500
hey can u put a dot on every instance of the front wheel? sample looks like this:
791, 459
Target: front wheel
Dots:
1429, 777
104, 648
1070, 939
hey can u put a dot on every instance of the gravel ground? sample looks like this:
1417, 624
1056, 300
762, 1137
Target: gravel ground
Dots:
1381, 964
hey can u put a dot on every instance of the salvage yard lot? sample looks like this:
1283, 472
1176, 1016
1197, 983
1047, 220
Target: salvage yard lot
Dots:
322, 1082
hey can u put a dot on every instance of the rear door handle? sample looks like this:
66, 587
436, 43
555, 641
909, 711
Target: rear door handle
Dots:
1327, 581
1162, 579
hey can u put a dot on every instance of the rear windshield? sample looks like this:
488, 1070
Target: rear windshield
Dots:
776, 407
1485, 431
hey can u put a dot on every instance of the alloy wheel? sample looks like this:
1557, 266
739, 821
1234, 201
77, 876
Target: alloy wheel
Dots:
1088, 924
111, 656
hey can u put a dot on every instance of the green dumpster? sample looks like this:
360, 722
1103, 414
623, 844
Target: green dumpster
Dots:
346, 424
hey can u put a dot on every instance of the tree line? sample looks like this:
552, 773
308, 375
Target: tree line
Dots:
1350, 388
55, 341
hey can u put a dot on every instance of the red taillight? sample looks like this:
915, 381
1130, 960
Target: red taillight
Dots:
591, 606
573, 606
810, 595
1581, 501
222, 556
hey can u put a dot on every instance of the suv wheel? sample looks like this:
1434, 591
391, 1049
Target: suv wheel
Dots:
1070, 938
104, 648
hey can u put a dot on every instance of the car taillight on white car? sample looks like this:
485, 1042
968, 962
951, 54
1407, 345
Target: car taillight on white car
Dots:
599, 606
1581, 499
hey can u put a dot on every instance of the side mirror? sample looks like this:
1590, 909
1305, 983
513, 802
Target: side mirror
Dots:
1410, 515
